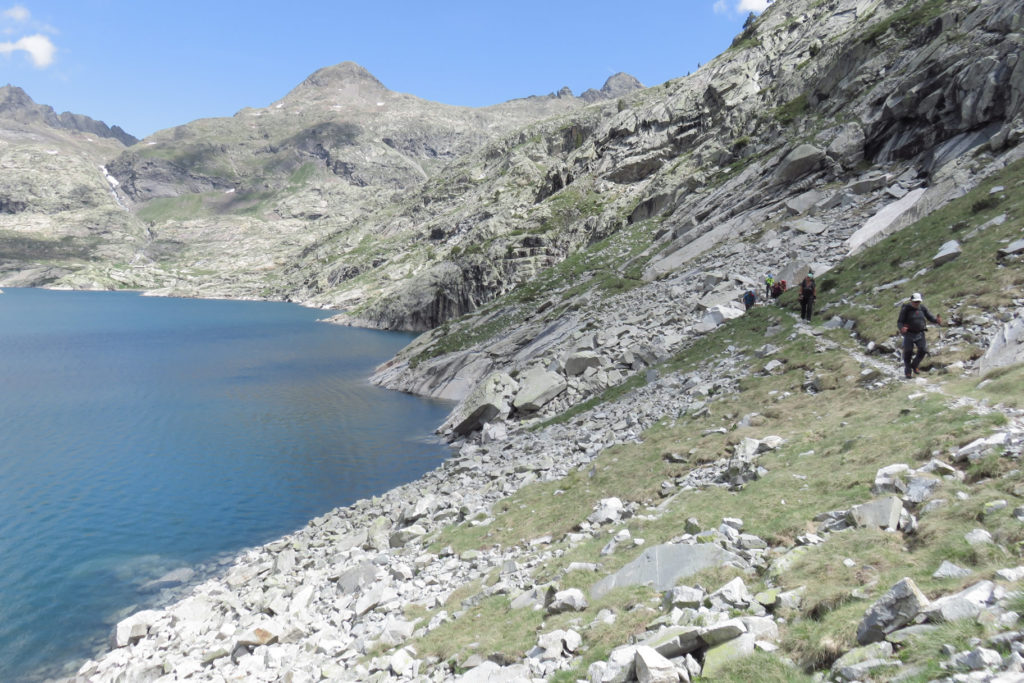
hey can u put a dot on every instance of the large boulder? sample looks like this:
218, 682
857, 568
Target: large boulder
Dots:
723, 653
881, 512
569, 600
717, 315
577, 363
803, 159
884, 222
536, 387
1006, 347
676, 641
652, 667
848, 145
133, 629
894, 610
487, 402
949, 251
967, 604
662, 566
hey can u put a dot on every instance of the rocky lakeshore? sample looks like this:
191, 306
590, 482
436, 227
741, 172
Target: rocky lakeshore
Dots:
648, 481
330, 602
355, 594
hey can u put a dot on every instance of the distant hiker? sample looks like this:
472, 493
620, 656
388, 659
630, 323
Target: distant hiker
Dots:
769, 282
808, 293
749, 299
911, 324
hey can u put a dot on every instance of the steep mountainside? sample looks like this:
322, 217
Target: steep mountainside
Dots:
230, 203
58, 211
409, 213
826, 123
812, 95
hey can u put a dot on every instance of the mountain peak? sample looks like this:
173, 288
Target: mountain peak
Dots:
620, 84
348, 77
617, 85
14, 99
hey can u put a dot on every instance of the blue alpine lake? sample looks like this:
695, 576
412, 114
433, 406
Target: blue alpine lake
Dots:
142, 435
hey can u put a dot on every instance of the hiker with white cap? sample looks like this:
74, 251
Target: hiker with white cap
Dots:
912, 324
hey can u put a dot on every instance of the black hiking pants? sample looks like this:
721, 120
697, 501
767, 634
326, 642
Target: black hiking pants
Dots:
806, 307
910, 360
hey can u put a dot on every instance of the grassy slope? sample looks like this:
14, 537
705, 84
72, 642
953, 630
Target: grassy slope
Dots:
835, 441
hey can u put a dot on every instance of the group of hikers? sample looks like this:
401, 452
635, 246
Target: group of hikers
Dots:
773, 289
911, 323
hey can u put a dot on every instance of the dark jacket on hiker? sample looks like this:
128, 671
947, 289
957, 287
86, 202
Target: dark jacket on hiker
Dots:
808, 292
912, 323
912, 319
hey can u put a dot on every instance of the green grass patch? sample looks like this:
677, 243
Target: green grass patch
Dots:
790, 111
906, 19
302, 175
182, 208
489, 628
762, 667
17, 246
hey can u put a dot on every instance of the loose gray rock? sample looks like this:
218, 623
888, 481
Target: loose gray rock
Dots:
1006, 347
948, 570
895, 609
536, 387
801, 160
883, 512
663, 566
487, 401
651, 667
571, 600
949, 251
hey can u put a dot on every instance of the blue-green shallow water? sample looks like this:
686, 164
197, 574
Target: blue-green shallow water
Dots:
139, 435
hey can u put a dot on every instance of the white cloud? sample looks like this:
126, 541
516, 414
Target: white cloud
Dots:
740, 6
39, 48
18, 13
752, 6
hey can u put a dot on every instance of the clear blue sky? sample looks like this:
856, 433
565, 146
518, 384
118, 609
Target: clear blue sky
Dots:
149, 64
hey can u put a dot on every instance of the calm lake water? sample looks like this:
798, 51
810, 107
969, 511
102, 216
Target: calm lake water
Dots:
141, 435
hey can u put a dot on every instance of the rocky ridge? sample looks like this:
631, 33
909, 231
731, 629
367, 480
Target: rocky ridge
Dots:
15, 104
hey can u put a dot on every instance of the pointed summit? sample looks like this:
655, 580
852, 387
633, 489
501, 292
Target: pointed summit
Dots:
621, 84
346, 81
14, 102
616, 86
342, 74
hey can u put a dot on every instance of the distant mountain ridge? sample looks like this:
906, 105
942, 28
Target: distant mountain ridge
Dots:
15, 104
